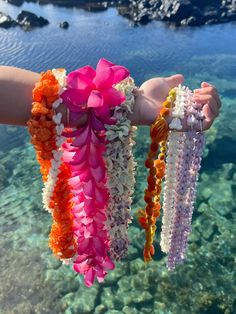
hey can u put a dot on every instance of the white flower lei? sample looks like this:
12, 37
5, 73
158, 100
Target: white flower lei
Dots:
121, 172
57, 154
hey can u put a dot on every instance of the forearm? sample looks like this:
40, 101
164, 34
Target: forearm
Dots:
16, 94
16, 87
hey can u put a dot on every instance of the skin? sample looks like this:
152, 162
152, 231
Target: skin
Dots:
16, 86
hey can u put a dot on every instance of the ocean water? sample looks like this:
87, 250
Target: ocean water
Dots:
31, 279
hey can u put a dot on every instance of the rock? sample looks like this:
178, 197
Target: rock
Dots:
64, 24
4, 175
100, 309
114, 276
6, 21
96, 7
16, 2
28, 20
177, 12
85, 303
231, 16
129, 310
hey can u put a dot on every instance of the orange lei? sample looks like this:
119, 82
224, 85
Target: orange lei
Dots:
62, 241
43, 136
159, 133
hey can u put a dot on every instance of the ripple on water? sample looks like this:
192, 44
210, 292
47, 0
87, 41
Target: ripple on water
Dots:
10, 47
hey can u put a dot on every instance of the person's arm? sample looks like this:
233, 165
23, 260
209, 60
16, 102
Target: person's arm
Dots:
16, 87
16, 94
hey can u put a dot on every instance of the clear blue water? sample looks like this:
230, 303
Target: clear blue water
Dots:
31, 280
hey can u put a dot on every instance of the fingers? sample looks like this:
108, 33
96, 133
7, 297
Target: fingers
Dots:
210, 90
174, 80
208, 99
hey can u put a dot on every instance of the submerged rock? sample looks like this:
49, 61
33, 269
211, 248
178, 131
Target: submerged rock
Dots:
28, 20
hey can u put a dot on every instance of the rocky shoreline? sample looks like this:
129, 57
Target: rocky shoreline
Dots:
24, 19
175, 12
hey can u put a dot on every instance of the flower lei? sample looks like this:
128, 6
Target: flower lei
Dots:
91, 91
88, 172
45, 128
121, 170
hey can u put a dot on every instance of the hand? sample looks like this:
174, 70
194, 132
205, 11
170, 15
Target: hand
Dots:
153, 92
150, 97
207, 97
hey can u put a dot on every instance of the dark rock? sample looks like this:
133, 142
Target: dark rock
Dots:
196, 18
191, 21
6, 21
180, 12
64, 24
139, 12
96, 7
16, 2
28, 19
177, 12
231, 16
211, 13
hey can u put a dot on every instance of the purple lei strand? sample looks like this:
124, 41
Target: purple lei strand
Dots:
180, 206
187, 173
199, 140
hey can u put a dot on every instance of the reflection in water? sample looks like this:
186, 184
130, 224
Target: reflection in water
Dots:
32, 281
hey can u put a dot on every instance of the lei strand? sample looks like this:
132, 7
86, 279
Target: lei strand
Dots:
45, 128
88, 183
173, 149
180, 207
176, 223
198, 138
61, 239
120, 169
85, 158
57, 153
185, 194
41, 126
147, 219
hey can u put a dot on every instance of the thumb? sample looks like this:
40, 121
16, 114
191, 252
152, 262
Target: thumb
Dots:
174, 80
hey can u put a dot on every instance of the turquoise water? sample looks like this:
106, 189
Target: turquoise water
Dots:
31, 279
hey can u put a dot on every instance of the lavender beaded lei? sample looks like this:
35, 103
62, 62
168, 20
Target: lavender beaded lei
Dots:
185, 191
198, 138
183, 165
